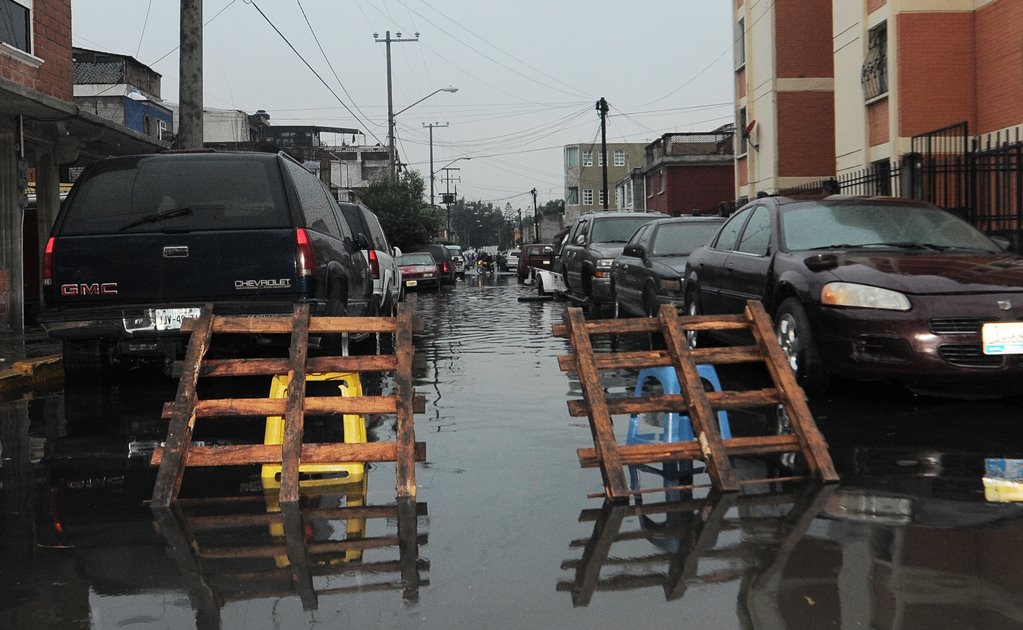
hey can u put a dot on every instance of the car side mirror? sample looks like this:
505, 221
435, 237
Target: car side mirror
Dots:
580, 240
396, 251
1002, 242
637, 251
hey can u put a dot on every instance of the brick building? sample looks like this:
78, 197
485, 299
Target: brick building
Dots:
41, 130
830, 88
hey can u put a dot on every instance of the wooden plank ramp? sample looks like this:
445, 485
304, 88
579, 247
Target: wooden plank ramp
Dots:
693, 400
179, 452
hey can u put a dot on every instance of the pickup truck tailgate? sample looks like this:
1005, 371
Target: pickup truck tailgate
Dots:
174, 267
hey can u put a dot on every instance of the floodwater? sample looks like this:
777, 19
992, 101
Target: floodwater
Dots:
506, 533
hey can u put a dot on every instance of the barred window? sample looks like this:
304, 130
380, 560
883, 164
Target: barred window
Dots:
588, 197
619, 157
588, 157
875, 67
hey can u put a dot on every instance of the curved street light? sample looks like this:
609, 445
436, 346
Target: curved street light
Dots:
390, 120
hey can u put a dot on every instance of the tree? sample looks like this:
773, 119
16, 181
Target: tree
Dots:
553, 207
398, 202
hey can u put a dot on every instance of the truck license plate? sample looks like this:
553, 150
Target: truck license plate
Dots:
171, 318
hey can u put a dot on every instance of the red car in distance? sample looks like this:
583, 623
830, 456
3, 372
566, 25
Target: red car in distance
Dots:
419, 270
539, 255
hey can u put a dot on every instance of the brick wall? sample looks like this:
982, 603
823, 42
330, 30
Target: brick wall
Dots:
698, 188
937, 85
52, 43
999, 66
874, 5
877, 122
806, 134
804, 40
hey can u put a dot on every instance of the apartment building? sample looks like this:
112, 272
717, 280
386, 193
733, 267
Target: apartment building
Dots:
584, 178
831, 88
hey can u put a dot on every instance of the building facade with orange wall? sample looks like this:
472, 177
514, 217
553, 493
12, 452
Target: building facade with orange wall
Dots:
829, 88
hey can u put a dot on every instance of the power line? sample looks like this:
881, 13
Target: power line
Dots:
311, 69
327, 59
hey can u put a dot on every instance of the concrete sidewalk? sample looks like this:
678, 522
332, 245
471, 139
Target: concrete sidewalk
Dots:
30, 363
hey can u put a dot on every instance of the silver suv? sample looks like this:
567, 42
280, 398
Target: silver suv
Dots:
387, 285
594, 241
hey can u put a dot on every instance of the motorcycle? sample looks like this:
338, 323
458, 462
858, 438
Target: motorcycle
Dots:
484, 267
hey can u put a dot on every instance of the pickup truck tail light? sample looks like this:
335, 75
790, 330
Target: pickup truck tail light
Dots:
303, 253
445, 266
48, 263
374, 264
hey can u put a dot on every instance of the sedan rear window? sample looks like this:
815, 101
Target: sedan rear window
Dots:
617, 230
415, 259
178, 193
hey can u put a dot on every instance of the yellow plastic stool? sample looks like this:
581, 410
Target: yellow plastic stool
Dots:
354, 426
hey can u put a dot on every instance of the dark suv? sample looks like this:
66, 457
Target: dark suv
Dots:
142, 242
445, 263
594, 241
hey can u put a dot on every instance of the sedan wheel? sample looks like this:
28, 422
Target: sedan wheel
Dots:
794, 336
650, 305
692, 310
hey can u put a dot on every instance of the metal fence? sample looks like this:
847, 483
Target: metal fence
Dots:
979, 178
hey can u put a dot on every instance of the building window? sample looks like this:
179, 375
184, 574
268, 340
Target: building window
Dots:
740, 136
588, 197
740, 43
572, 196
662, 180
16, 24
883, 178
601, 198
572, 157
875, 67
619, 157
588, 157
600, 158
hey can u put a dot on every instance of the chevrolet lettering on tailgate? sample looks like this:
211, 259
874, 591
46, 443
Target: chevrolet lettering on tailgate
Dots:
244, 285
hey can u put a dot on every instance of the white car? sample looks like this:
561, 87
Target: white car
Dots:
387, 286
511, 260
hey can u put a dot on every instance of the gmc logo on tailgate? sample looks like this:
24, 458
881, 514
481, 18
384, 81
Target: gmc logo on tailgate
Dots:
96, 288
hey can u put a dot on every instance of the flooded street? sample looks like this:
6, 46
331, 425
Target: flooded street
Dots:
505, 534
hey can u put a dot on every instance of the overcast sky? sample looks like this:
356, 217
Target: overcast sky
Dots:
528, 73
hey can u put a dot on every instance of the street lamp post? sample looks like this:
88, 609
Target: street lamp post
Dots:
392, 114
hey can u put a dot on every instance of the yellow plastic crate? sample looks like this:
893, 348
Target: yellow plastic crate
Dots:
354, 426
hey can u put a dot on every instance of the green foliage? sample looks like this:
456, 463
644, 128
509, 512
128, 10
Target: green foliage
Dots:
553, 207
398, 202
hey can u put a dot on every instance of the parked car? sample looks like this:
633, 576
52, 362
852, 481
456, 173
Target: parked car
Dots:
539, 255
510, 260
649, 272
418, 271
142, 242
458, 259
870, 288
595, 240
445, 265
387, 287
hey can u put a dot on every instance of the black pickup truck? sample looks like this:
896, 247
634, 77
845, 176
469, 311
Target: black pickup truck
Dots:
142, 242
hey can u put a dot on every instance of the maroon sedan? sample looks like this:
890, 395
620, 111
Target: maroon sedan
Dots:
419, 270
870, 288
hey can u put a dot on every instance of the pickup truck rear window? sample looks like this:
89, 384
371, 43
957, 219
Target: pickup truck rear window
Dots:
178, 193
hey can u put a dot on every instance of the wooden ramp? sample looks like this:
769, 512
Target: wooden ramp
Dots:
179, 452
251, 547
700, 405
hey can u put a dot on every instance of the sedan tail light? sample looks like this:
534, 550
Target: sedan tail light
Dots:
303, 253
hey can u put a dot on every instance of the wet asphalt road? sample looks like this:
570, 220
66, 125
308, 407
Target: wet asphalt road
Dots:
507, 536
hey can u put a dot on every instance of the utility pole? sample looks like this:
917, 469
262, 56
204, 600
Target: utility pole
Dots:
522, 240
431, 126
447, 178
536, 219
602, 108
390, 98
189, 132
